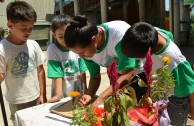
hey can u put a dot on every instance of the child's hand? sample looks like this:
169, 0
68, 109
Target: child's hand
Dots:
54, 99
85, 99
42, 99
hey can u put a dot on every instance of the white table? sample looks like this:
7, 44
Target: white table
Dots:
40, 115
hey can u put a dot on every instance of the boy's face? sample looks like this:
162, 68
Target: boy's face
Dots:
21, 30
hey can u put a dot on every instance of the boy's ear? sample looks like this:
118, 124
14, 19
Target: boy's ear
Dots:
54, 35
9, 24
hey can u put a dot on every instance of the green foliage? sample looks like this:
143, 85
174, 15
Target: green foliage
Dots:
116, 108
141, 83
123, 100
4, 33
162, 84
83, 116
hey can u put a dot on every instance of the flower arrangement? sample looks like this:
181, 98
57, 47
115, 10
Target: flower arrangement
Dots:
92, 115
87, 116
122, 108
151, 109
117, 105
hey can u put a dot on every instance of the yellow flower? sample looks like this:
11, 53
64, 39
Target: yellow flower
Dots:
166, 60
74, 94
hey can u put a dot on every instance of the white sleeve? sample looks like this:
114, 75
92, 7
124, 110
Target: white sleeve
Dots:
40, 57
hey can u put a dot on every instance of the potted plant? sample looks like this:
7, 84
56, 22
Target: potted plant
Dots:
122, 108
3, 33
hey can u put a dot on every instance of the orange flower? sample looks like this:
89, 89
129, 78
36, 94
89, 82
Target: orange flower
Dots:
74, 93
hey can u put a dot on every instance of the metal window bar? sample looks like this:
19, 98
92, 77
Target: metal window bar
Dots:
2, 33
3, 108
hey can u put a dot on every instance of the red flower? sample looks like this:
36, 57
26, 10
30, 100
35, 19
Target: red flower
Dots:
113, 76
99, 112
99, 123
148, 65
147, 70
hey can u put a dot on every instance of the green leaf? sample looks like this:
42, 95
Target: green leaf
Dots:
143, 100
141, 83
119, 118
108, 120
125, 119
123, 101
109, 104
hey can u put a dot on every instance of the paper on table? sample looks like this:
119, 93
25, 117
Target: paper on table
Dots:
58, 117
57, 109
64, 110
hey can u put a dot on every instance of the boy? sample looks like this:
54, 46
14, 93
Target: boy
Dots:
136, 42
21, 60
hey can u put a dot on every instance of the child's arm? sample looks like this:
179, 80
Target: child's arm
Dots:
2, 77
58, 90
83, 80
42, 84
191, 108
94, 84
123, 79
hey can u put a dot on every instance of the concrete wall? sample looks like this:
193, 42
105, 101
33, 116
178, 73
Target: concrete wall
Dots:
43, 8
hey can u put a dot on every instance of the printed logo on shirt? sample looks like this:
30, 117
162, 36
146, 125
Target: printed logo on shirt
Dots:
71, 78
21, 64
70, 68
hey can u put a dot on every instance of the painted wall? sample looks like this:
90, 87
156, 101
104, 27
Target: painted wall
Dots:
43, 8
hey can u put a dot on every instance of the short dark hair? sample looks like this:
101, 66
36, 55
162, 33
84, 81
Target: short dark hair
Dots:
138, 39
59, 21
20, 11
79, 32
